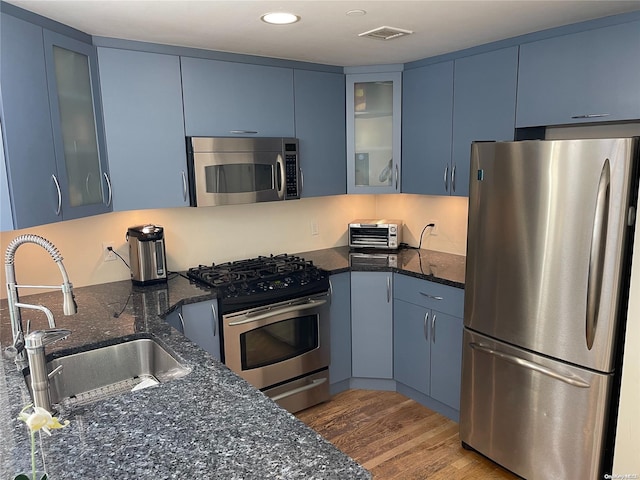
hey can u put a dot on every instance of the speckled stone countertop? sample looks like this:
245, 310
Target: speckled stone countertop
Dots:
210, 424
439, 267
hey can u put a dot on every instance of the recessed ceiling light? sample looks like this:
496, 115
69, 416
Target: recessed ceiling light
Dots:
279, 18
356, 13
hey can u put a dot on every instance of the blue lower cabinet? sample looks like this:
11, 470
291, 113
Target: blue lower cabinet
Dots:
411, 346
372, 325
199, 323
340, 313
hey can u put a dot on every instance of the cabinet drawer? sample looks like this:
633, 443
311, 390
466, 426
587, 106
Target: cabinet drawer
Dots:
442, 298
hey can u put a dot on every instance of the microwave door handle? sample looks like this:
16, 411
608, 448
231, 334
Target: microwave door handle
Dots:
280, 180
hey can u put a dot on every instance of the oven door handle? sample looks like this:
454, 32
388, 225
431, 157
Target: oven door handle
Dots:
316, 383
272, 313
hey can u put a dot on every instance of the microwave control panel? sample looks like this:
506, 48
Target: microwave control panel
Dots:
291, 170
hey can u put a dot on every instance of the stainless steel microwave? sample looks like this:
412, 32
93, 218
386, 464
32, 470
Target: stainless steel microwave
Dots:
232, 170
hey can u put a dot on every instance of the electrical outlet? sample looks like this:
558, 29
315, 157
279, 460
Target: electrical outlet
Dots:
433, 230
108, 255
314, 228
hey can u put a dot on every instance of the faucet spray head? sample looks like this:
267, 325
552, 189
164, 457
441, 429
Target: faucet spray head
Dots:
69, 305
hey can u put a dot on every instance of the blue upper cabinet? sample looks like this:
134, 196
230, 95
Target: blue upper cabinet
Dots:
427, 110
6, 216
583, 77
226, 98
374, 106
26, 123
484, 107
142, 103
78, 131
320, 129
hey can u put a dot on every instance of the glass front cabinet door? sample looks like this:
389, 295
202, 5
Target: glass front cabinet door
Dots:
83, 185
373, 132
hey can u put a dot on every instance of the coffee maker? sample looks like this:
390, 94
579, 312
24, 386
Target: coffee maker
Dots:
147, 255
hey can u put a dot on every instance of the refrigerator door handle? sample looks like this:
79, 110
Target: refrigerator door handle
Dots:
573, 380
597, 253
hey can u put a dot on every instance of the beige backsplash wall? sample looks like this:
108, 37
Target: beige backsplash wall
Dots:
219, 234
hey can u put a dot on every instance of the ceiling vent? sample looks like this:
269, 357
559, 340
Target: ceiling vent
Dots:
385, 33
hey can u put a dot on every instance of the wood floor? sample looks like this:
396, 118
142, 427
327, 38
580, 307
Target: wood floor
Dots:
396, 438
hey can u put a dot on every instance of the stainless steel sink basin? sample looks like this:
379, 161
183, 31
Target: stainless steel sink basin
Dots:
104, 372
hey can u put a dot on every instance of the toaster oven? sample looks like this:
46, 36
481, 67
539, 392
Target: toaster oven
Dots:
383, 234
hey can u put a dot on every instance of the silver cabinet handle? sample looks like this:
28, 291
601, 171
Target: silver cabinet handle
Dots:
184, 186
243, 132
453, 179
597, 253
330, 292
397, 176
388, 289
315, 383
181, 321
55, 181
215, 319
433, 328
592, 115
446, 178
433, 297
110, 196
571, 380
426, 327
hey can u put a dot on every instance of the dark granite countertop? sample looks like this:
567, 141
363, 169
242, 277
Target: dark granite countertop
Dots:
208, 424
439, 267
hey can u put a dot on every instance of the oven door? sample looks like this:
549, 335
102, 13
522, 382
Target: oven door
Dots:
277, 343
238, 177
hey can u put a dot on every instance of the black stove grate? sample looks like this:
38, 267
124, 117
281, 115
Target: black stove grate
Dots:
261, 280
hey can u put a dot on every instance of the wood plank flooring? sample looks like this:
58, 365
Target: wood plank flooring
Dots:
395, 437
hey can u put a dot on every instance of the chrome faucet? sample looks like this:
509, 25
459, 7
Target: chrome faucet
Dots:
69, 304
34, 344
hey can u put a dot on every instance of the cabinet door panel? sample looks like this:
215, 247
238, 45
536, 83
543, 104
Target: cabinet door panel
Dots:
340, 314
26, 123
201, 325
320, 129
221, 98
596, 72
76, 121
427, 110
411, 363
371, 325
446, 358
142, 102
484, 107
374, 108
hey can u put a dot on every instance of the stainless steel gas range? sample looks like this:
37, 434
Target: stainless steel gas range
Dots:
275, 325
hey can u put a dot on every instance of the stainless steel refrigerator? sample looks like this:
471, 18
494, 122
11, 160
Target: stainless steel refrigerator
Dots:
546, 289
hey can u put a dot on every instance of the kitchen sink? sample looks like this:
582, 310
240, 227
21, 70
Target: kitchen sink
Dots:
104, 372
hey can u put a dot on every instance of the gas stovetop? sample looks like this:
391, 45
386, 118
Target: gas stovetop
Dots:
262, 280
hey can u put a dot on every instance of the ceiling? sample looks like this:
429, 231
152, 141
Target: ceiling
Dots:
325, 33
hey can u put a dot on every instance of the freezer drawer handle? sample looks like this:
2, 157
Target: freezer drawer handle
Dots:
316, 383
597, 253
575, 381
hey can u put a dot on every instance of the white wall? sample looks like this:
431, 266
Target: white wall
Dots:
218, 234
626, 458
